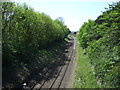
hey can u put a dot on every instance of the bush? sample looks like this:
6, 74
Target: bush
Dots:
101, 39
26, 31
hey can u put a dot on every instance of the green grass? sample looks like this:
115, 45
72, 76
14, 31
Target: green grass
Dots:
84, 77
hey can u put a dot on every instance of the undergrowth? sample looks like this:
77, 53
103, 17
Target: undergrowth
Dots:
84, 77
19, 72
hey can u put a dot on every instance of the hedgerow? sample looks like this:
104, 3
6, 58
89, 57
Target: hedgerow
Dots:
25, 32
101, 40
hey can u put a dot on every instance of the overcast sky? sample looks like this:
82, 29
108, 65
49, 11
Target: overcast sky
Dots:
74, 12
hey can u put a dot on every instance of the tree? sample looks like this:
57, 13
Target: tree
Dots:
61, 19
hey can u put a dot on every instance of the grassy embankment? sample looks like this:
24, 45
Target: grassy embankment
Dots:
84, 77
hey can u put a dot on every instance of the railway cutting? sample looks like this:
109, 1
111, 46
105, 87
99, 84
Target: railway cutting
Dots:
59, 73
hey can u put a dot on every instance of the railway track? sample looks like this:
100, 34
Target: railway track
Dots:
57, 81
54, 76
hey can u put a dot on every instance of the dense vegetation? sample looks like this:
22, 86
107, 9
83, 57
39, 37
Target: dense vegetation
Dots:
101, 40
25, 32
84, 77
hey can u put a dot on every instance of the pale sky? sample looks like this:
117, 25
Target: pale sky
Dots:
74, 12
